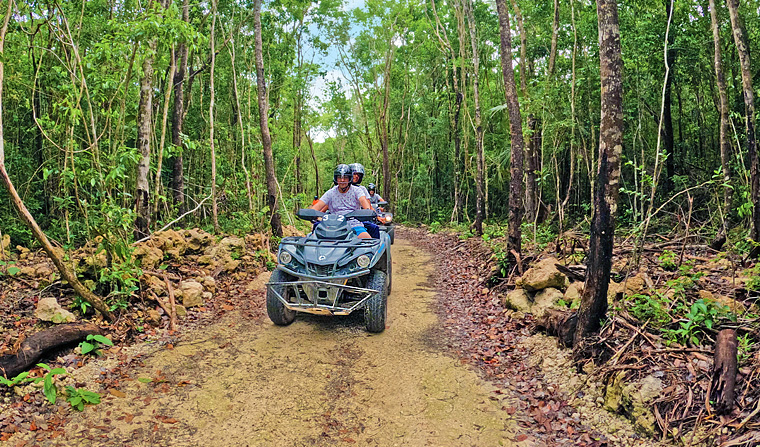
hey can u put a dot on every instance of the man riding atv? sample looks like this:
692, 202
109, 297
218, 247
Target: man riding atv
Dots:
357, 171
343, 198
373, 197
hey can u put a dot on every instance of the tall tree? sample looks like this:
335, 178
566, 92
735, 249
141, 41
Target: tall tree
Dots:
178, 117
266, 139
212, 93
720, 79
593, 306
479, 152
740, 39
555, 35
515, 128
144, 137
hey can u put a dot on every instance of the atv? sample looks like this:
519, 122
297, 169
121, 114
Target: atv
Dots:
385, 220
331, 272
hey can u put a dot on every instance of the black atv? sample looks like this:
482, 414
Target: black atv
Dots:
331, 272
385, 220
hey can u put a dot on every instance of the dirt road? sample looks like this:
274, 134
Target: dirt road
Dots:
319, 381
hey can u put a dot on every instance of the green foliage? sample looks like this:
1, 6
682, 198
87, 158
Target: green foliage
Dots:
668, 260
702, 316
650, 308
78, 398
9, 268
49, 389
746, 344
93, 344
21, 378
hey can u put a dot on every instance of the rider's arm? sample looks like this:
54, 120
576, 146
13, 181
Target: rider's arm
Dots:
364, 202
319, 206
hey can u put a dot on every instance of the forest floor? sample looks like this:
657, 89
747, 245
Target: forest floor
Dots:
452, 368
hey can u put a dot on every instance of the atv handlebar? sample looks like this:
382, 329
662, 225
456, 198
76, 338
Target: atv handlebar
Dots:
312, 215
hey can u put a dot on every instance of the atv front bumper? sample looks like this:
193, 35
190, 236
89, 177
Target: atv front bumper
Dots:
322, 297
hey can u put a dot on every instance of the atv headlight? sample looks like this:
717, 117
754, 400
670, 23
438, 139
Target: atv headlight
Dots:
388, 219
285, 257
363, 261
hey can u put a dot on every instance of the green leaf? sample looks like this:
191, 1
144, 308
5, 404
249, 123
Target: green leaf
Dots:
87, 347
101, 339
49, 389
13, 271
144, 380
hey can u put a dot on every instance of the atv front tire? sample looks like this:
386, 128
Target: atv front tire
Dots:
278, 313
376, 307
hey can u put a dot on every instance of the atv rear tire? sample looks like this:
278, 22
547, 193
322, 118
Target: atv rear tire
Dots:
278, 313
376, 307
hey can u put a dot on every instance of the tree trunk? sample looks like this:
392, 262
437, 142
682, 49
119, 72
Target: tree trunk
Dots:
742, 49
39, 343
144, 118
479, 153
164, 118
212, 93
178, 118
239, 118
533, 154
523, 50
593, 306
266, 139
555, 33
516, 137
724, 371
725, 142
318, 188
667, 115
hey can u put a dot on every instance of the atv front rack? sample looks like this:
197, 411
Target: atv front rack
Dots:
321, 296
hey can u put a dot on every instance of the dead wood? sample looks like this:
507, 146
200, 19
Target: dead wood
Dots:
724, 372
40, 343
172, 305
574, 272
560, 323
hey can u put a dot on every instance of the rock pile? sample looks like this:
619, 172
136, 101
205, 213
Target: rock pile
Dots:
539, 288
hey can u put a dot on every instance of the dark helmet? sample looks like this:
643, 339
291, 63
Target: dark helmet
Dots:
357, 168
340, 171
371, 187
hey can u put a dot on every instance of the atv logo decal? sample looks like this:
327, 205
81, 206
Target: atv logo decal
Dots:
322, 258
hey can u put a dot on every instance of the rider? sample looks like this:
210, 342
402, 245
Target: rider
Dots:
373, 197
343, 198
358, 174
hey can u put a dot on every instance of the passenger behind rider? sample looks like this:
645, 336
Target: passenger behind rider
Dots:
373, 197
358, 174
343, 198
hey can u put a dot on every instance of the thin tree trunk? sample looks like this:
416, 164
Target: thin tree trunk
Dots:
555, 34
723, 380
66, 272
514, 240
479, 152
242, 130
266, 139
725, 142
742, 49
667, 116
593, 306
178, 118
212, 92
533, 155
318, 188
523, 50
144, 117
164, 118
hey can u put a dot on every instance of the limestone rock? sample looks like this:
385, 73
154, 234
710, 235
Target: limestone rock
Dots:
634, 400
260, 282
290, 230
231, 265
156, 285
544, 299
207, 296
27, 271
148, 257
192, 293
153, 317
517, 299
172, 243
209, 283
232, 244
181, 311
573, 292
542, 275
48, 309
43, 270
197, 239
5, 244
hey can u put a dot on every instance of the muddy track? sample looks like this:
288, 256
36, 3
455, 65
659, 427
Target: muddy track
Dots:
319, 381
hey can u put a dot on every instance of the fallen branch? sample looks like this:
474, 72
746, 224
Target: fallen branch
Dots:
173, 222
172, 304
40, 343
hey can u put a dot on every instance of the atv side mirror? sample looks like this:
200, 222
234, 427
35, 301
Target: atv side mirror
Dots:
309, 214
362, 215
